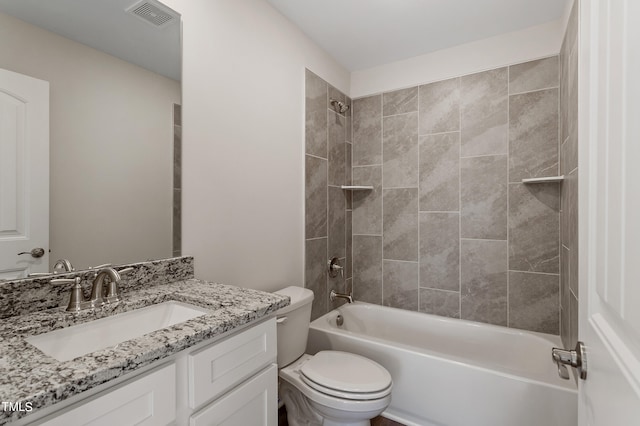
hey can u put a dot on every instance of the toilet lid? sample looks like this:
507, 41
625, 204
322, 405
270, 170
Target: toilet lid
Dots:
351, 375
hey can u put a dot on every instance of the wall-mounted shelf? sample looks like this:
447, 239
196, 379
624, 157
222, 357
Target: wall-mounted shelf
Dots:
549, 179
357, 187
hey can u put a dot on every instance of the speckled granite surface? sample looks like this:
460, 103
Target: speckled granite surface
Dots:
26, 374
27, 295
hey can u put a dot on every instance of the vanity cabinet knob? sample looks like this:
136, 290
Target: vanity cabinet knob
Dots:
36, 252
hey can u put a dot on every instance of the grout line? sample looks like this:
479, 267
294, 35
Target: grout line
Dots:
438, 211
535, 90
401, 261
316, 238
382, 196
482, 239
318, 157
402, 187
486, 155
437, 133
440, 289
396, 115
508, 176
460, 214
536, 273
367, 165
419, 156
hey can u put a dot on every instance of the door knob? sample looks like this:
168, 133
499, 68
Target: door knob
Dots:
576, 358
36, 252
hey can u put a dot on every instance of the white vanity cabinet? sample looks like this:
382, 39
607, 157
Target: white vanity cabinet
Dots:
228, 381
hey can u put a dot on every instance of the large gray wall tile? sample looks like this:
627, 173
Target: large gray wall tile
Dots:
534, 227
315, 115
400, 101
440, 106
440, 302
572, 225
349, 175
440, 172
484, 197
573, 321
400, 224
440, 251
533, 302
367, 205
315, 197
569, 154
484, 113
534, 75
400, 284
367, 131
484, 281
564, 296
316, 274
337, 147
336, 223
349, 245
367, 268
400, 151
533, 135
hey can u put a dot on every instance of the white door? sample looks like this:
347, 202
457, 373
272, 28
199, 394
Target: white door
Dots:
24, 175
609, 167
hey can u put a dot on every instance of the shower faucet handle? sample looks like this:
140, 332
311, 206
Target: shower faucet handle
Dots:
334, 267
576, 358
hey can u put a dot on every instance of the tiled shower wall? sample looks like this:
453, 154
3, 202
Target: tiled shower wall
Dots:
569, 167
449, 228
327, 206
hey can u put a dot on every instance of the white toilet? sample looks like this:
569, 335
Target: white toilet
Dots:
330, 388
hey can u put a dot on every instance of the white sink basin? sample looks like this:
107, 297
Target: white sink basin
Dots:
71, 342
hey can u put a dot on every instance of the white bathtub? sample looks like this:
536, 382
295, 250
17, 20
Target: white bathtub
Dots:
454, 372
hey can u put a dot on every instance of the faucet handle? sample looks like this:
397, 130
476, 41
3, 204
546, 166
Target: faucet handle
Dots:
334, 267
125, 271
76, 300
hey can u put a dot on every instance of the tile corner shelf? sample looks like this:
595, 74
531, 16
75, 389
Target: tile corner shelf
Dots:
357, 188
549, 179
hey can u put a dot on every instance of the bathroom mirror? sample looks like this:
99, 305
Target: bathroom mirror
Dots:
113, 68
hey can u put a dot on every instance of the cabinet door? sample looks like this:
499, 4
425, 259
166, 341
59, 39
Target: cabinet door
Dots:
149, 400
254, 402
221, 366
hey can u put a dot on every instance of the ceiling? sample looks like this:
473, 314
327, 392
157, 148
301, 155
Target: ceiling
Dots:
361, 34
104, 25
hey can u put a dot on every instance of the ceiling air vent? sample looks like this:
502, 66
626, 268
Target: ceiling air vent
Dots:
153, 13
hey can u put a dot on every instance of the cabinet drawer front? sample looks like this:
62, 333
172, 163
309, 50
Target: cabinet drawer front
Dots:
254, 403
149, 400
219, 367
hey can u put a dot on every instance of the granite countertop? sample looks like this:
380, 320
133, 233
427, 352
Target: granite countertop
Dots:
28, 375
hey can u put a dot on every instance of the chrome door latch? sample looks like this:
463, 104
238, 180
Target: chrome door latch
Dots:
576, 358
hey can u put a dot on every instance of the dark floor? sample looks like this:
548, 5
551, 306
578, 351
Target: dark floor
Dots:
378, 421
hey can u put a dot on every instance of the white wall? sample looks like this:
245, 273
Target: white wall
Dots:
507, 49
243, 140
111, 147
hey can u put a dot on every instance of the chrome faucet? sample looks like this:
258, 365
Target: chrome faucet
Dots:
60, 267
97, 289
334, 295
100, 294
63, 265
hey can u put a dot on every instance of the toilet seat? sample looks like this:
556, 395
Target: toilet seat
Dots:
346, 375
346, 395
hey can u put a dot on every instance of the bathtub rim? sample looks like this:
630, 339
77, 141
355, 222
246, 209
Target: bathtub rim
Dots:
322, 324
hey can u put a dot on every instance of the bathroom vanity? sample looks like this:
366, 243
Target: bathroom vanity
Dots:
216, 368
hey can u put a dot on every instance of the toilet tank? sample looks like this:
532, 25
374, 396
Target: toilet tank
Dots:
293, 324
